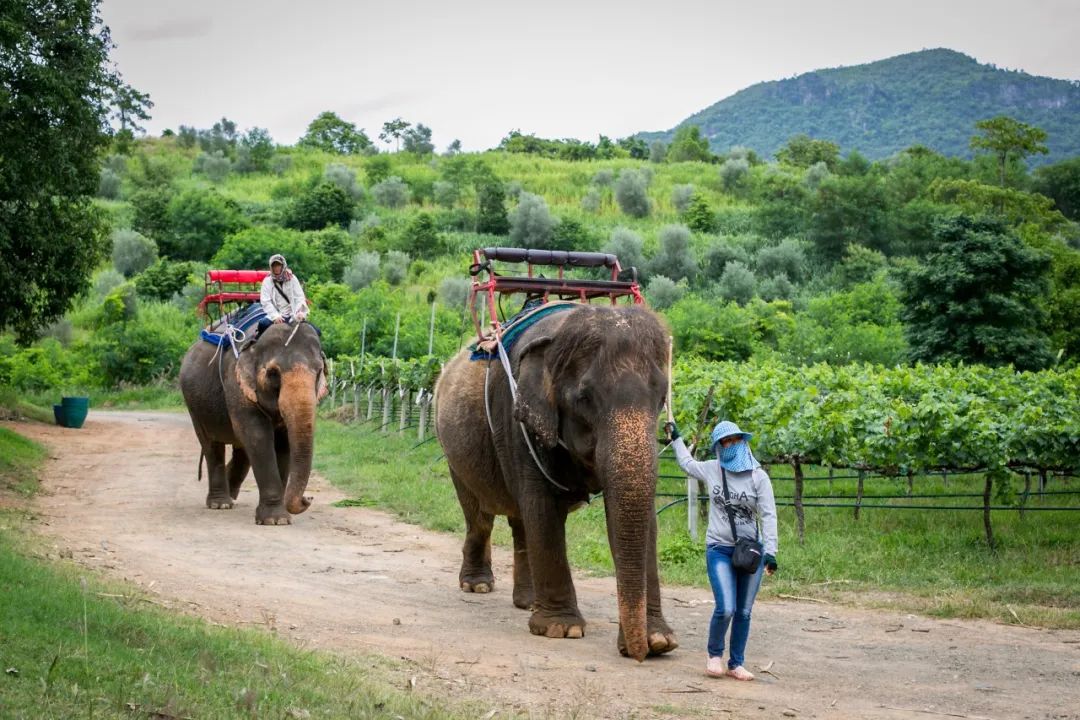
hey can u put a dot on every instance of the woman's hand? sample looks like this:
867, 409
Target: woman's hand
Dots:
672, 430
770, 564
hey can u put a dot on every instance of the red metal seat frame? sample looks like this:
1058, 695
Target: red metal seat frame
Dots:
560, 287
230, 286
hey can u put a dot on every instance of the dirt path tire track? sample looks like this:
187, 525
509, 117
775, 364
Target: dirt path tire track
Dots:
120, 495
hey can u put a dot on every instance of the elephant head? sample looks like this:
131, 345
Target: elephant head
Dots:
595, 386
283, 374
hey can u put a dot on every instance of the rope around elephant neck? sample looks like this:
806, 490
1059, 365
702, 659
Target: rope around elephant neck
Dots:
513, 396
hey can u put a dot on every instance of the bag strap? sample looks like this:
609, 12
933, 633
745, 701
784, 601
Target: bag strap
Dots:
277, 286
727, 504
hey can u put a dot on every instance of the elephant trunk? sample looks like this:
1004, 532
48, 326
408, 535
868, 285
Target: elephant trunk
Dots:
297, 405
629, 474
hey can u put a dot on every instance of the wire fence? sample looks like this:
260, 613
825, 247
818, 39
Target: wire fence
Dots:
401, 410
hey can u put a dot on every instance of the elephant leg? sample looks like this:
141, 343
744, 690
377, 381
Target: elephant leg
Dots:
555, 608
237, 470
217, 495
660, 635
259, 445
476, 575
523, 587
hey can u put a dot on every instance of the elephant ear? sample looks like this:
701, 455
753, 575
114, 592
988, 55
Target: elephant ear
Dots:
535, 404
245, 376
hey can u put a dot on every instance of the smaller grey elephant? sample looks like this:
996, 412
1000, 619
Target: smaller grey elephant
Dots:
263, 404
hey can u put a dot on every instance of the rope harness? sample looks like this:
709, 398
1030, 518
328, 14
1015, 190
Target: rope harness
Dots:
513, 396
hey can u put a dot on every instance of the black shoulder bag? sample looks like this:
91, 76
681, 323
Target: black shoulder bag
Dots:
747, 555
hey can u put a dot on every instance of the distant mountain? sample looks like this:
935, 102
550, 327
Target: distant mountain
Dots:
932, 97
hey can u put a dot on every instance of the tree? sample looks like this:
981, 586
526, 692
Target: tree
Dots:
256, 151
631, 192
454, 148
199, 221
531, 223
626, 245
344, 177
1061, 183
978, 299
680, 197
421, 238
56, 90
675, 260
787, 259
688, 145
662, 292
395, 130
391, 192
363, 271
325, 204
804, 151
330, 133
132, 252
737, 283
418, 140
130, 107
151, 211
491, 209
734, 174
1004, 136
657, 151
698, 216
395, 267
847, 210
445, 193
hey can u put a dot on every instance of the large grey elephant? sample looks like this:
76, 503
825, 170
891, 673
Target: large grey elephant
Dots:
263, 404
590, 383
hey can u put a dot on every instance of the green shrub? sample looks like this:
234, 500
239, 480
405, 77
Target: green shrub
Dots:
147, 348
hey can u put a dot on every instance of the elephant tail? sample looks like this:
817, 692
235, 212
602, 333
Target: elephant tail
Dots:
202, 455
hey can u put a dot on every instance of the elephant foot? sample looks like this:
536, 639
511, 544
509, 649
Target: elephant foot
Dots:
478, 587
216, 503
557, 625
272, 515
477, 581
661, 638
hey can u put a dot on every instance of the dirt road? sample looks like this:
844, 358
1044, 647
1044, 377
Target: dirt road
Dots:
120, 495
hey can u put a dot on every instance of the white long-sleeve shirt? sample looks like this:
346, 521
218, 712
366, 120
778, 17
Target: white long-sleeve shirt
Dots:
274, 302
751, 498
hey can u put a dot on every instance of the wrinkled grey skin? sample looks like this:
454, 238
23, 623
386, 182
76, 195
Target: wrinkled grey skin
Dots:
263, 404
591, 382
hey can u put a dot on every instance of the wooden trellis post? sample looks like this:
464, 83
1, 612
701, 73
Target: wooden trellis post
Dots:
798, 500
387, 404
403, 417
424, 400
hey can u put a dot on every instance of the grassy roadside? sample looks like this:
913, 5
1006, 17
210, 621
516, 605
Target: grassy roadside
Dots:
72, 646
932, 562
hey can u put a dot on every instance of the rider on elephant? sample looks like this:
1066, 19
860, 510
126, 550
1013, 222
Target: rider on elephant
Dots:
281, 296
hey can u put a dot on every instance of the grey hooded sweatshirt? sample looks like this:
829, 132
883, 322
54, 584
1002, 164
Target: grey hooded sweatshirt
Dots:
751, 499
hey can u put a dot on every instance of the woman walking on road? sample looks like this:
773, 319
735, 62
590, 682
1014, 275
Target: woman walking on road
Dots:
740, 495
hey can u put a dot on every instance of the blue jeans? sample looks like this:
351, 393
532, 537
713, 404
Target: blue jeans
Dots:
734, 592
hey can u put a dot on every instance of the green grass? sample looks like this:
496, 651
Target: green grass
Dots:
933, 562
72, 646
18, 459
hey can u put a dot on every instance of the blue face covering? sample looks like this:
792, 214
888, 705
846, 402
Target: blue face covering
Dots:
737, 457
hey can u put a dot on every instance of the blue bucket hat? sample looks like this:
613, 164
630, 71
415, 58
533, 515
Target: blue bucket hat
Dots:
725, 429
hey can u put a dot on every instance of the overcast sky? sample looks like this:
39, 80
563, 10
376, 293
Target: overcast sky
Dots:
475, 69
